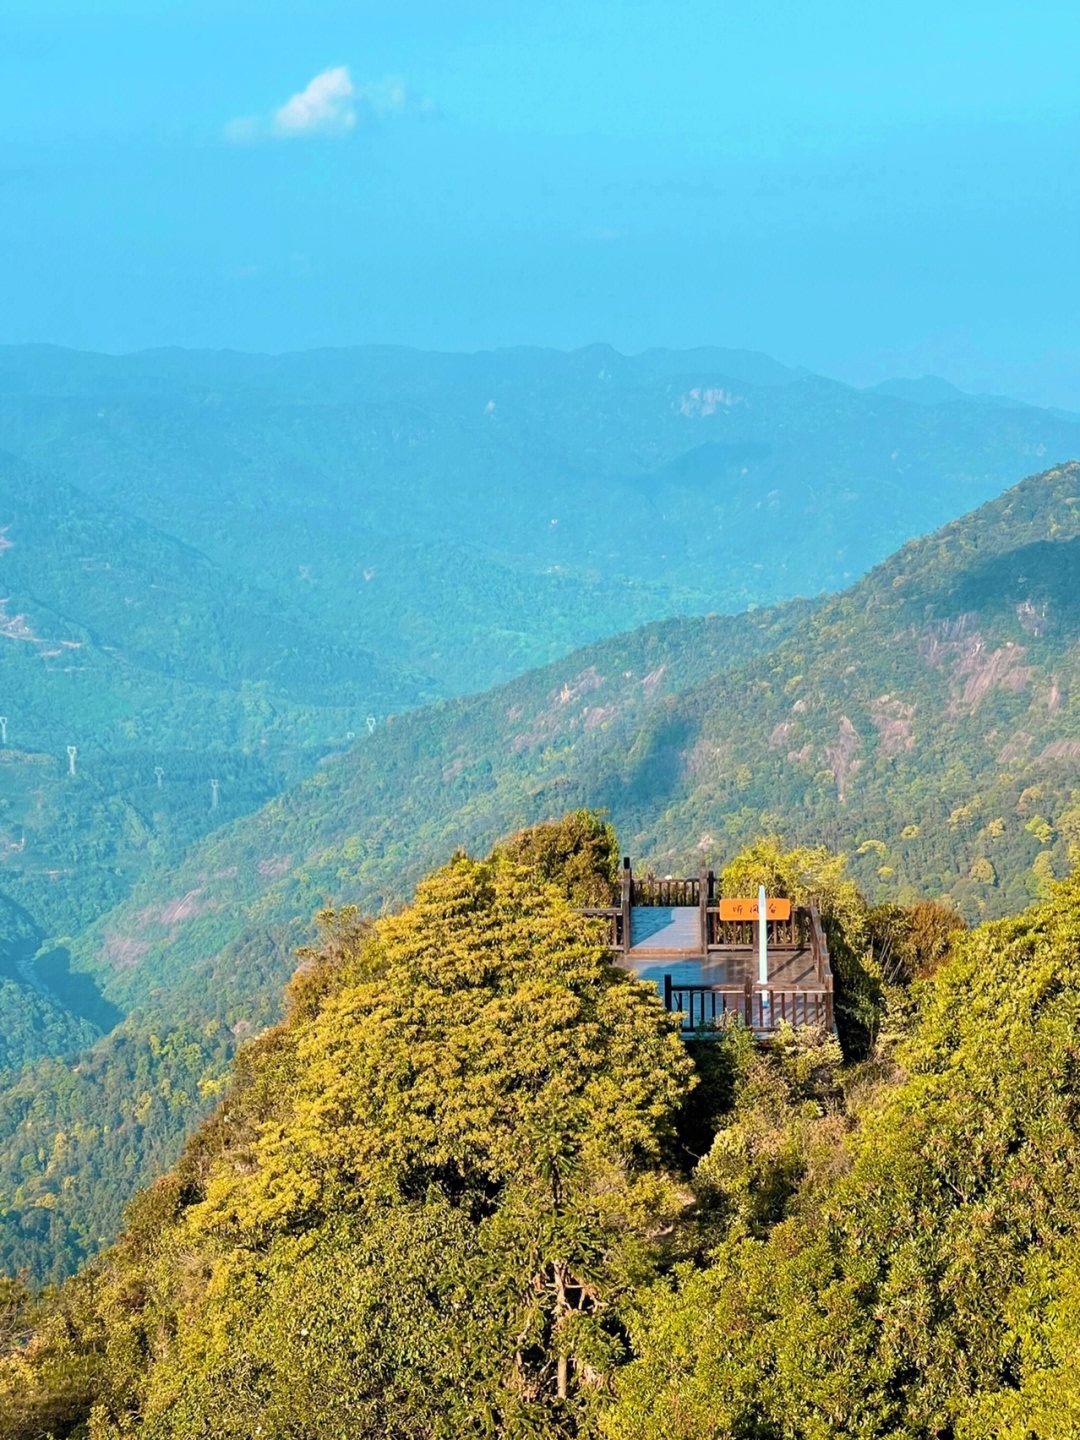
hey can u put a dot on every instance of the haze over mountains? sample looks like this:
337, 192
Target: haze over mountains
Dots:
925, 720
401, 520
277, 573
229, 566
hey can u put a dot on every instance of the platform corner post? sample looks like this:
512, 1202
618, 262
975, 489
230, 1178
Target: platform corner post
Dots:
703, 907
627, 888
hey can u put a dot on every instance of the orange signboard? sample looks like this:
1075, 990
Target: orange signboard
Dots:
747, 909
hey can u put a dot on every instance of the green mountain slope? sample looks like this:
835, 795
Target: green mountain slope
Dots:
927, 721
937, 697
164, 672
225, 567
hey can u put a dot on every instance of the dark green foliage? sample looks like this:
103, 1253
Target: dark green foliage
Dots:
434, 1203
911, 940
74, 1129
35, 1023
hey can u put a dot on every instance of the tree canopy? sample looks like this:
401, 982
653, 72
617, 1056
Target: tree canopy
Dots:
475, 1183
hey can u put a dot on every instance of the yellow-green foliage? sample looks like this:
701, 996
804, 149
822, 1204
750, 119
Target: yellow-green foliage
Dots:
578, 853
422, 1208
785, 1121
912, 940
801, 875
441, 1200
931, 1289
815, 874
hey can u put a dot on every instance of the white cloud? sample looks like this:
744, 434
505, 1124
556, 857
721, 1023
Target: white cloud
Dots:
327, 106
331, 104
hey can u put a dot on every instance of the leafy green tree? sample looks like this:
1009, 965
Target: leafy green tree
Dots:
926, 1287
579, 853
426, 1204
805, 874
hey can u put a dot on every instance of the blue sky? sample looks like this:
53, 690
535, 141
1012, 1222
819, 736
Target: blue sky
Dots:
866, 190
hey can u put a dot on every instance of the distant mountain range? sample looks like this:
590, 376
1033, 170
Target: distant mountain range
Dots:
366, 528
920, 720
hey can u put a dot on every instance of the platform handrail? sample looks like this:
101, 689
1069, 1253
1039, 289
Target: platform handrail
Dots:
613, 915
818, 948
761, 1008
666, 891
742, 934
626, 898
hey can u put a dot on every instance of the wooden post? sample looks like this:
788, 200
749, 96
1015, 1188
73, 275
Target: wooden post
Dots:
627, 886
748, 1003
703, 910
667, 992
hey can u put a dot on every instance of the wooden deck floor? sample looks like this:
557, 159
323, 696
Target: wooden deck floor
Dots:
788, 969
665, 930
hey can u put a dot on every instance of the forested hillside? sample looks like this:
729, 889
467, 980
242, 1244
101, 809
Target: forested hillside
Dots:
232, 568
929, 714
475, 1183
219, 567
925, 722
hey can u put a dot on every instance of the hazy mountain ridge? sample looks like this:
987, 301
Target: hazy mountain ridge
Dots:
558, 487
930, 657
90, 577
240, 559
222, 566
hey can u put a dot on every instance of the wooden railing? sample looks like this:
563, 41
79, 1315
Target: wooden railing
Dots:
769, 1008
761, 1008
664, 890
706, 1005
613, 918
788, 934
818, 947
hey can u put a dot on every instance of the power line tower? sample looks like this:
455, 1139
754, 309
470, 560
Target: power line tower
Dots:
213, 794
72, 752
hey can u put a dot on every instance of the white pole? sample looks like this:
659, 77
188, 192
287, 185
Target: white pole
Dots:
763, 943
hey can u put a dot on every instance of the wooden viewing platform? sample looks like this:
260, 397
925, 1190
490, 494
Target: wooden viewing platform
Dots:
670, 931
